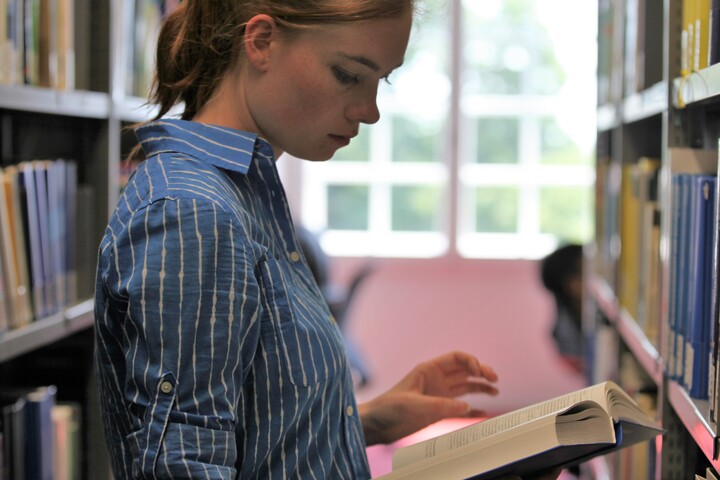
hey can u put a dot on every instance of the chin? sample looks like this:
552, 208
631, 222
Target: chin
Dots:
314, 156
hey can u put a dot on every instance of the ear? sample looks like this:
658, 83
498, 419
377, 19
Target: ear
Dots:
260, 32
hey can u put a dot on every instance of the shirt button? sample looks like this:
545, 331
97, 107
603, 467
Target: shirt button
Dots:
294, 256
350, 411
166, 387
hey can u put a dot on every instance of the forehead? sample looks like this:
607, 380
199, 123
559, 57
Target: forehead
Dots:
378, 44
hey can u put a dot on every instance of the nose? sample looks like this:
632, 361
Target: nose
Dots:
365, 110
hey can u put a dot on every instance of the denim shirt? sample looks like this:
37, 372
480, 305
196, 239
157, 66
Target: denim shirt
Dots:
216, 354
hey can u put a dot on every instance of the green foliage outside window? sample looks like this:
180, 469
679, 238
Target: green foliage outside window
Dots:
496, 209
416, 208
497, 140
558, 148
566, 213
415, 140
348, 207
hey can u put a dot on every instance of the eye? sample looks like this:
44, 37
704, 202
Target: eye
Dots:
345, 77
386, 79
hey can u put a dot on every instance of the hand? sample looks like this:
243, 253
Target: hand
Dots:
427, 394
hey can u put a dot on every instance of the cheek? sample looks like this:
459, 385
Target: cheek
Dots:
312, 96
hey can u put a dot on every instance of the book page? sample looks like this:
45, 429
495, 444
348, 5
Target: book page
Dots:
483, 429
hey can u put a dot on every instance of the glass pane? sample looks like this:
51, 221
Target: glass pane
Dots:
359, 148
558, 147
497, 140
508, 49
416, 139
496, 209
348, 207
416, 208
566, 213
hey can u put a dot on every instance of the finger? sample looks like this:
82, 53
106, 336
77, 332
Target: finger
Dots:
451, 361
474, 387
477, 413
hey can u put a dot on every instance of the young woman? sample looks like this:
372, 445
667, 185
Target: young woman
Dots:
216, 355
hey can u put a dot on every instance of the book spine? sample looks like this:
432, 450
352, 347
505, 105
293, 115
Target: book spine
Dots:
714, 33
714, 304
701, 193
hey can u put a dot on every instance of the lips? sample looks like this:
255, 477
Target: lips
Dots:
340, 139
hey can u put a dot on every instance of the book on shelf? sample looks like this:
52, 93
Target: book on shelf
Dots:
39, 238
628, 265
559, 432
607, 210
14, 244
714, 316
28, 424
714, 33
610, 54
645, 176
66, 418
682, 162
37, 45
143, 19
699, 244
690, 278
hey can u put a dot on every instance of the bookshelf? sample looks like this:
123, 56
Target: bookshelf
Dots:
674, 119
80, 119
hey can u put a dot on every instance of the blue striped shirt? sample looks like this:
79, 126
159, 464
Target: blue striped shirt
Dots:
216, 354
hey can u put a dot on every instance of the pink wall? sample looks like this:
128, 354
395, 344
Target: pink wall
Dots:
412, 310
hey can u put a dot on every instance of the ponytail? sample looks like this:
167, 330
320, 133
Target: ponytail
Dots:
196, 45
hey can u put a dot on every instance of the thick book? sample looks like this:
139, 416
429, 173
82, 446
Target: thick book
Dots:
560, 432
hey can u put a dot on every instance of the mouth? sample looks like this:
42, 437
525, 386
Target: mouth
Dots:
341, 139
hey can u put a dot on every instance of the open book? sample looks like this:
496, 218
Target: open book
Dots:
559, 432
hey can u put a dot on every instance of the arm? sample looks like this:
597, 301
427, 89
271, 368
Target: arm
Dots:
189, 337
427, 394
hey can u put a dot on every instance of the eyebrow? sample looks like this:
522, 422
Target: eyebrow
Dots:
362, 60
365, 61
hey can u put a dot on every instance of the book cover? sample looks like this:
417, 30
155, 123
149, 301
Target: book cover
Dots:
66, 419
714, 33
65, 40
71, 266
702, 38
24, 313
13, 411
558, 432
39, 433
40, 169
33, 245
629, 242
699, 236
713, 370
645, 188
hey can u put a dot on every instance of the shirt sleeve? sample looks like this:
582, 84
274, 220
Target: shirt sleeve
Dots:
186, 271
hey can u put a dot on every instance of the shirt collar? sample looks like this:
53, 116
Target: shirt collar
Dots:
220, 146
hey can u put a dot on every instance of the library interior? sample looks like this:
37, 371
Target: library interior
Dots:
540, 191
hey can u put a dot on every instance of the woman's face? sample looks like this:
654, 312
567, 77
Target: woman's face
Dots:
318, 86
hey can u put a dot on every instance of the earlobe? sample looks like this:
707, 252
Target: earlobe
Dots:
259, 35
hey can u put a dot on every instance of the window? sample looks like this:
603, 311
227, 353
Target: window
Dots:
485, 144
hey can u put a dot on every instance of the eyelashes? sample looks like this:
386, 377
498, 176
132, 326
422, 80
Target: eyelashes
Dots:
347, 78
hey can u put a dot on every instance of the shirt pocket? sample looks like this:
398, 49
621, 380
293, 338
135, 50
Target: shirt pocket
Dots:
299, 336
